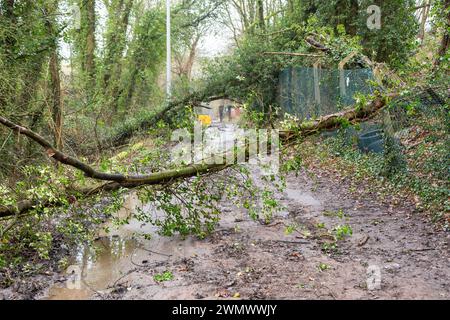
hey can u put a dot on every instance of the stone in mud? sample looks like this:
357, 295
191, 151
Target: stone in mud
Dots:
392, 267
199, 296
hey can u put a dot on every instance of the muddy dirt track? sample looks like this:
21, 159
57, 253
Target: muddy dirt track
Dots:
395, 253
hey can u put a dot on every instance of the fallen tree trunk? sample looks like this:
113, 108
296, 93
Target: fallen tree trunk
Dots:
90, 172
158, 178
167, 114
335, 120
124, 136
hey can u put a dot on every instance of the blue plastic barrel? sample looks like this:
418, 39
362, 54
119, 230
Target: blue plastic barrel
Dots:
372, 141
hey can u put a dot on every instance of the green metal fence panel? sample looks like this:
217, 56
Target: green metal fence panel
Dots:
309, 92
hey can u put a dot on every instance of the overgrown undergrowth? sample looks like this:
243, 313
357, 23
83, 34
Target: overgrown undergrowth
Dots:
414, 173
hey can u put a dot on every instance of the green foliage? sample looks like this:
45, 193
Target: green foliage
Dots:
190, 213
320, 225
394, 159
34, 236
415, 162
163, 277
193, 206
294, 164
25, 44
396, 39
391, 44
323, 267
330, 247
339, 214
291, 229
42, 244
253, 76
247, 74
342, 231
143, 65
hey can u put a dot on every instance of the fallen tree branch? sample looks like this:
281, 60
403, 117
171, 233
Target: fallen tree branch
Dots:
294, 54
380, 70
122, 137
115, 180
94, 174
316, 44
10, 225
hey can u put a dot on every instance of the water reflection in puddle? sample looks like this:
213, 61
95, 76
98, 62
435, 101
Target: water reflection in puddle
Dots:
116, 253
97, 267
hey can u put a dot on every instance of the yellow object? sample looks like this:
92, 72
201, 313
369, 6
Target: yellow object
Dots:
205, 119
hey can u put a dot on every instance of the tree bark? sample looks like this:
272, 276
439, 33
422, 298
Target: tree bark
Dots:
90, 43
55, 82
116, 44
445, 42
423, 21
115, 41
191, 58
261, 16
87, 45
334, 121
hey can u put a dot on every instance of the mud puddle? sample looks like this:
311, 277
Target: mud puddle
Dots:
96, 270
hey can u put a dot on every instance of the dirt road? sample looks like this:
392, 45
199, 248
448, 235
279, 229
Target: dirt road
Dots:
392, 254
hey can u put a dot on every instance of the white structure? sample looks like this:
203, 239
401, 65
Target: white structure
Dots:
169, 52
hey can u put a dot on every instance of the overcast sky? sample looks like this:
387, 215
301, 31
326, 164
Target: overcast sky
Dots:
212, 44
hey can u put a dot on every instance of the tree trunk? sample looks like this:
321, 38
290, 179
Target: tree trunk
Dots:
334, 121
55, 81
445, 42
191, 58
261, 16
8, 8
87, 46
56, 99
423, 21
115, 46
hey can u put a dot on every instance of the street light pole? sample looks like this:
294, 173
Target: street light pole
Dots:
169, 53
